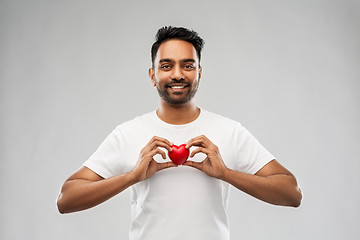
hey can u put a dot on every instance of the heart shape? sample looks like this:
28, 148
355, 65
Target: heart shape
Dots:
179, 154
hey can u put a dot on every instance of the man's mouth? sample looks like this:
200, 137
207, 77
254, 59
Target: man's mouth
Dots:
177, 86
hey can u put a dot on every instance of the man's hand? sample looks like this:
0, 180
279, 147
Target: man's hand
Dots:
146, 165
272, 183
212, 165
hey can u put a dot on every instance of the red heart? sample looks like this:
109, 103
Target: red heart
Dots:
179, 154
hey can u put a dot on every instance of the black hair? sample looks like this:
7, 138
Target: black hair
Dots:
169, 32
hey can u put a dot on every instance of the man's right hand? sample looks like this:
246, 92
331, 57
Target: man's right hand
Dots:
146, 165
85, 189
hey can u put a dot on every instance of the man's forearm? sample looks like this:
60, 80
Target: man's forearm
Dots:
80, 194
278, 189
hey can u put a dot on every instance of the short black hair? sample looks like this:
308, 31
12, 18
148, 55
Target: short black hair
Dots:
169, 32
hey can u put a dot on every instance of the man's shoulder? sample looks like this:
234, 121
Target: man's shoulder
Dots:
137, 121
220, 119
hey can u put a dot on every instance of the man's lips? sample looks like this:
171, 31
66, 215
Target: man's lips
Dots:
177, 86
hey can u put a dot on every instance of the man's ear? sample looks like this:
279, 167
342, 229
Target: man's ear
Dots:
200, 72
152, 76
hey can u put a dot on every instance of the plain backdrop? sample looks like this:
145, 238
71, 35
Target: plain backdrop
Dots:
288, 70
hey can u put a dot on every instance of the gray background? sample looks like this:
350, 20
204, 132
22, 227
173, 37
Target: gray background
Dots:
287, 70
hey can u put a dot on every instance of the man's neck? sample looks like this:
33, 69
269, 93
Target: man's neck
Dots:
178, 114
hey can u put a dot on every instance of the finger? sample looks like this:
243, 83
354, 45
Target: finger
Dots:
163, 140
196, 142
157, 138
199, 149
188, 144
158, 143
158, 151
149, 142
197, 165
164, 165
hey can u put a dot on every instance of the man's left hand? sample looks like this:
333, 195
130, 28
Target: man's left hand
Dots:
212, 165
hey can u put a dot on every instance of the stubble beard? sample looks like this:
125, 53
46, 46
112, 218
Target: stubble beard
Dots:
167, 98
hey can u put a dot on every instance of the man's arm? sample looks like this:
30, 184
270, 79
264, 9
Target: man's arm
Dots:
273, 183
85, 189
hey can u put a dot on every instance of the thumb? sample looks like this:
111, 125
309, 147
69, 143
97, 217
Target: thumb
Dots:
164, 165
193, 164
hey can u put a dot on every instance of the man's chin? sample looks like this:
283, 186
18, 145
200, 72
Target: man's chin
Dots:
177, 99
177, 102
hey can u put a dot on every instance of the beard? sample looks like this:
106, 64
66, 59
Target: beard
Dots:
164, 94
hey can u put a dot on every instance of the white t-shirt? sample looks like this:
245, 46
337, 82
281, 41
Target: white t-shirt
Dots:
181, 202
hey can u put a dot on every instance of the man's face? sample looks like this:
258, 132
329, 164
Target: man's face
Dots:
176, 73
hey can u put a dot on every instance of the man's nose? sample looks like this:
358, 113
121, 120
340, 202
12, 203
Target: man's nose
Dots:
177, 73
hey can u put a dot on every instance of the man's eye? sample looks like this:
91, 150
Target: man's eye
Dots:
189, 66
165, 66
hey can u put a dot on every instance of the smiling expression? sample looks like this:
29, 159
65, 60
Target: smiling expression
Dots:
176, 73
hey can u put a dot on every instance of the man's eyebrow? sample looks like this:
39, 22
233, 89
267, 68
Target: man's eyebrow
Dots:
165, 60
188, 60
170, 60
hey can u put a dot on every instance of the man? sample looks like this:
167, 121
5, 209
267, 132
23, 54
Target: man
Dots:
170, 201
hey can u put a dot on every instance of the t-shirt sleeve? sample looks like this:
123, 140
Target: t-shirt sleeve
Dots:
106, 159
252, 155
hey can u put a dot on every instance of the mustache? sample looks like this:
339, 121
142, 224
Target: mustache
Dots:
180, 81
